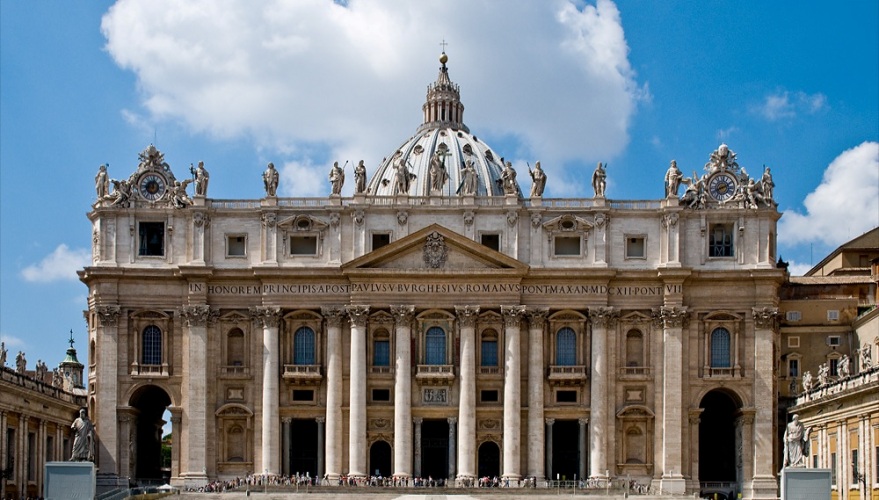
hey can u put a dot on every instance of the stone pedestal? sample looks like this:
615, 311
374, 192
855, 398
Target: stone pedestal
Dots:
70, 481
805, 484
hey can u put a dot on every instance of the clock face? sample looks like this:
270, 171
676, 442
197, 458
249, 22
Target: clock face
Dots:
722, 187
152, 187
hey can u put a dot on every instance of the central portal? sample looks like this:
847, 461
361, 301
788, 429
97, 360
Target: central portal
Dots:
435, 449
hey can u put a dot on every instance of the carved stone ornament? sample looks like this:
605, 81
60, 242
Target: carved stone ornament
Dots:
96, 245
603, 316
335, 218
512, 315
198, 315
537, 316
468, 217
536, 219
269, 219
107, 315
200, 219
381, 423
670, 220
512, 218
671, 317
357, 315
766, 317
333, 316
435, 251
403, 314
490, 424
402, 217
358, 216
438, 396
267, 317
467, 315
600, 220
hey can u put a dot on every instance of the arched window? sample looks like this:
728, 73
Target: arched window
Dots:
720, 348
235, 348
152, 345
634, 348
435, 346
381, 348
566, 347
489, 348
303, 346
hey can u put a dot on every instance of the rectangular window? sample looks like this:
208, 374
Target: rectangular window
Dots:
814, 461
491, 240
489, 353
566, 396
303, 395
380, 239
833, 340
10, 457
720, 241
31, 456
833, 315
635, 247
381, 353
303, 245
381, 395
833, 469
50, 449
152, 238
793, 342
855, 471
793, 368
488, 396
567, 245
793, 316
236, 245
834, 367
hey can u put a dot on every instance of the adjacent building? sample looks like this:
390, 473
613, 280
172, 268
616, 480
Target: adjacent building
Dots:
441, 322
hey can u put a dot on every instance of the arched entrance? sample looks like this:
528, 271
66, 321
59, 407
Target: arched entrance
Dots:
489, 457
149, 463
380, 459
719, 463
435, 449
303, 449
565, 449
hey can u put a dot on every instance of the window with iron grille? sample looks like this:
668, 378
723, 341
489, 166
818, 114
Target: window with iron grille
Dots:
720, 240
303, 346
566, 347
152, 345
435, 346
720, 348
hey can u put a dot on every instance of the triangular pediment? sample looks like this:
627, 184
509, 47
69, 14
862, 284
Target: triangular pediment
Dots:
435, 249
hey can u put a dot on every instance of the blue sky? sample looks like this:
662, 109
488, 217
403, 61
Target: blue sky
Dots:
791, 85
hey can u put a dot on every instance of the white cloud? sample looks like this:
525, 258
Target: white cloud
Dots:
798, 268
784, 104
844, 205
314, 79
61, 264
11, 341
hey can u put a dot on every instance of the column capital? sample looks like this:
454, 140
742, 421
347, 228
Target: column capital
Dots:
267, 317
603, 316
583, 421
198, 315
176, 419
357, 315
549, 421
333, 315
403, 314
320, 420
512, 315
286, 420
417, 420
452, 420
537, 316
108, 315
671, 317
766, 317
467, 315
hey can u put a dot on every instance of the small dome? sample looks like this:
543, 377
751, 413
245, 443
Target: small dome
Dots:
442, 131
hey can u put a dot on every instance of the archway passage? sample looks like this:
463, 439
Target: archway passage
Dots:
717, 438
380, 459
149, 465
565, 455
435, 449
303, 452
489, 460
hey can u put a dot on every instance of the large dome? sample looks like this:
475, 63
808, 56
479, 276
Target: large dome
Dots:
443, 132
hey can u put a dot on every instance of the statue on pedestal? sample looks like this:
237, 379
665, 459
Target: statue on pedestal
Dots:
796, 443
83, 439
673, 178
538, 180
337, 179
360, 178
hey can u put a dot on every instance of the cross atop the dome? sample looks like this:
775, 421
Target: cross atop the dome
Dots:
443, 43
71, 339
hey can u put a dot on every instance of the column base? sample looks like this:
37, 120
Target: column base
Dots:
109, 482
465, 481
194, 480
762, 487
673, 485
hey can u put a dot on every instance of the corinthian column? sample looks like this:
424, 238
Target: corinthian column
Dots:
672, 320
403, 391
269, 318
536, 434
512, 391
765, 325
601, 318
467, 399
357, 398
334, 316
106, 401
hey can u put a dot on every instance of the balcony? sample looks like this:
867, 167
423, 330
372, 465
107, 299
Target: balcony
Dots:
381, 370
635, 372
567, 375
489, 370
435, 374
149, 371
302, 374
234, 371
724, 372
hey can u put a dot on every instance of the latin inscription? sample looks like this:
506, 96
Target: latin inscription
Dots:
428, 288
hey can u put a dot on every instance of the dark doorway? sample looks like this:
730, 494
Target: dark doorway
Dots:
565, 444
717, 438
489, 460
380, 459
146, 457
435, 449
303, 451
